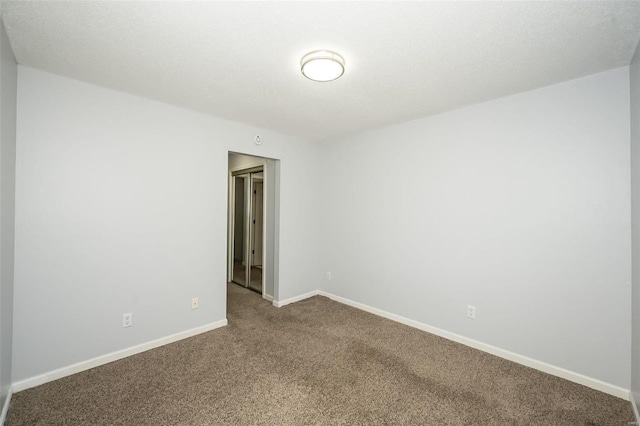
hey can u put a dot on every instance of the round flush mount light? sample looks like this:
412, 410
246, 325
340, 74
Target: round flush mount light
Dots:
322, 65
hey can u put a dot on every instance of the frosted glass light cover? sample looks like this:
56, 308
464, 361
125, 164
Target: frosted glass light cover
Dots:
322, 65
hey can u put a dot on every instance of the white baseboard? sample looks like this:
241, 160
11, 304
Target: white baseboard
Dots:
635, 408
113, 356
5, 406
267, 297
511, 356
281, 303
502, 353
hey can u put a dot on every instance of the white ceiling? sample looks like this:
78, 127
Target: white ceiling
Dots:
404, 60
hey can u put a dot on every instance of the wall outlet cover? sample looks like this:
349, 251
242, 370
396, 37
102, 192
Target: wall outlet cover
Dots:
471, 312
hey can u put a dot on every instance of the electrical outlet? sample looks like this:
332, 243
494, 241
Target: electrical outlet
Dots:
471, 312
328, 275
127, 320
194, 303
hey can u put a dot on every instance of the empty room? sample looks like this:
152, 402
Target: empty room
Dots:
285, 213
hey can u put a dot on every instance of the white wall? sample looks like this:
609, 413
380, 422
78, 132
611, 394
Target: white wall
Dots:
121, 206
634, 74
518, 206
8, 85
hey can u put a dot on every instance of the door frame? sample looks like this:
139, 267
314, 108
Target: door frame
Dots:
241, 171
271, 221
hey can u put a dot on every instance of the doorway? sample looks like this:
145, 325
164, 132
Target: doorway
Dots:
253, 223
248, 230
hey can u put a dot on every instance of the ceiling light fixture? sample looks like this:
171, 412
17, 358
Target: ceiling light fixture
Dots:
322, 65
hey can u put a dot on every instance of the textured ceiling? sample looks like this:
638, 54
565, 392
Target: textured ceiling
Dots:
404, 60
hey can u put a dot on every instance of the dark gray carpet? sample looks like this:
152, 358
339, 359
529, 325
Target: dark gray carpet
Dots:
313, 362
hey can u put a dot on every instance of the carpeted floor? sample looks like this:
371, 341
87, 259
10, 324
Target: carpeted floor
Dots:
313, 362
